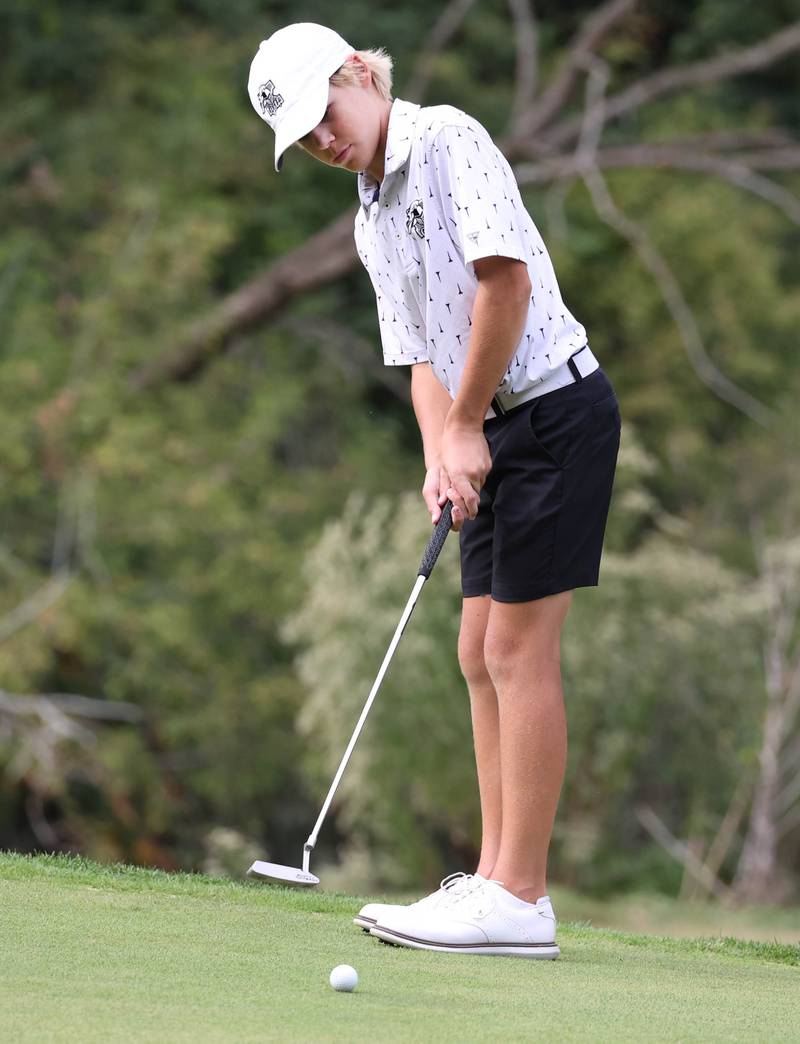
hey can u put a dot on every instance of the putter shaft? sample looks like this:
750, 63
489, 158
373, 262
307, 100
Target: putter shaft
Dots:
435, 545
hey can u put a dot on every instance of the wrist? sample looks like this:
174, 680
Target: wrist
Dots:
463, 420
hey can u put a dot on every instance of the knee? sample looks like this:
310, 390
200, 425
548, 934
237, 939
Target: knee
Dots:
500, 652
470, 656
507, 652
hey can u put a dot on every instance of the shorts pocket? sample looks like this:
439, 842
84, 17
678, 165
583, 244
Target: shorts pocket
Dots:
558, 429
605, 414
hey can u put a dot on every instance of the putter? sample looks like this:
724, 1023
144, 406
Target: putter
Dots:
293, 875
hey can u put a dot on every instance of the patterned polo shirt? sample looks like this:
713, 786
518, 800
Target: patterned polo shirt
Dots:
448, 198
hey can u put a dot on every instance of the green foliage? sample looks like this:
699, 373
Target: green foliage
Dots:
412, 775
138, 190
662, 681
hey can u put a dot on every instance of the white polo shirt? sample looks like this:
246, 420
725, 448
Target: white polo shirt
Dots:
448, 198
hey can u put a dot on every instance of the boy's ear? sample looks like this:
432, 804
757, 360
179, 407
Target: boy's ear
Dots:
364, 71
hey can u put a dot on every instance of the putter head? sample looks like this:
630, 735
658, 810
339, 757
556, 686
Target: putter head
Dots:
285, 875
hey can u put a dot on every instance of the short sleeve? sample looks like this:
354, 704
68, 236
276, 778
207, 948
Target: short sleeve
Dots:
477, 193
401, 344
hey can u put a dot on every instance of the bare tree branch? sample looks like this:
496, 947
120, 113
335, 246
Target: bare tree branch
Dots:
676, 303
772, 159
330, 253
661, 153
658, 154
86, 534
44, 726
650, 256
793, 693
13, 564
790, 757
526, 36
596, 27
719, 847
35, 604
554, 202
738, 138
736, 168
780, 567
667, 81
354, 355
680, 852
450, 21
66, 528
43, 832
57, 704
789, 824
759, 875
788, 797
46, 730
317, 262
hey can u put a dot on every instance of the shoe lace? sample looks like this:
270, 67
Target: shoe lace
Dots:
452, 886
467, 889
453, 882
474, 897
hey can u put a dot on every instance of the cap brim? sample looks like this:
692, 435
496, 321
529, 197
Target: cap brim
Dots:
302, 118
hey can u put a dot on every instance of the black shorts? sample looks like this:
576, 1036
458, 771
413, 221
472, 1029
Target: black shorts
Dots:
543, 509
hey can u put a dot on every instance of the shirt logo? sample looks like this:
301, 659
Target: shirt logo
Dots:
415, 220
268, 100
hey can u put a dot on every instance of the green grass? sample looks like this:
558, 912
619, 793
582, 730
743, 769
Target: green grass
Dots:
90, 953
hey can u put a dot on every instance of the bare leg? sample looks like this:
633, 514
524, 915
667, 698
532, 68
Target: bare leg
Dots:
522, 651
485, 725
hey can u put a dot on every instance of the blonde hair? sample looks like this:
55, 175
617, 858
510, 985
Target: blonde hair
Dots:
379, 64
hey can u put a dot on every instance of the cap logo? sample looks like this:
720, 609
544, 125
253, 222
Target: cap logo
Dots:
268, 100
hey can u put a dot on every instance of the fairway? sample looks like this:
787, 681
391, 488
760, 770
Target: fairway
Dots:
116, 953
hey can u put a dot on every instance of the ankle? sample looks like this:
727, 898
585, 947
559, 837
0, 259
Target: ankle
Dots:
485, 869
526, 890
528, 895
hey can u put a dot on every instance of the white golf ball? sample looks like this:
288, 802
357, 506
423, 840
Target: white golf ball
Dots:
344, 978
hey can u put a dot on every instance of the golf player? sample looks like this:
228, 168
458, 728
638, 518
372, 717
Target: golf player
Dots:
520, 431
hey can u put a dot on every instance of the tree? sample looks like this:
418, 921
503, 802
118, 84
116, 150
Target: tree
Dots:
559, 146
660, 676
153, 528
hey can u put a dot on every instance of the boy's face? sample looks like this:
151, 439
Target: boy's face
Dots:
349, 133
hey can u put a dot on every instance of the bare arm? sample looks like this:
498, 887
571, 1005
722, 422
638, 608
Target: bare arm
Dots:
498, 319
431, 405
456, 454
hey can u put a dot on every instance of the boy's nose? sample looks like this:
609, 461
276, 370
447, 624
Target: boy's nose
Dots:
321, 137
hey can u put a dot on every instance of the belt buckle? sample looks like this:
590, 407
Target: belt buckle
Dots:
498, 408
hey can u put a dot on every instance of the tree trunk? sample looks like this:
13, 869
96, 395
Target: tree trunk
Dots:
758, 877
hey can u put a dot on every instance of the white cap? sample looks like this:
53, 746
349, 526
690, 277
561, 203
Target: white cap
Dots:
288, 83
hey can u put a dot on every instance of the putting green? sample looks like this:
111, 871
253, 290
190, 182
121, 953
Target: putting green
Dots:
91, 953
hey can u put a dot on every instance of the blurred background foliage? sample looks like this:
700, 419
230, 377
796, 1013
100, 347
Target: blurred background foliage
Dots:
228, 555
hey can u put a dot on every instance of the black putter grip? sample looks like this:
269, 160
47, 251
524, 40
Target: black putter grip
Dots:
436, 542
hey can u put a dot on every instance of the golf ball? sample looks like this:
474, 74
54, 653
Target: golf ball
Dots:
344, 978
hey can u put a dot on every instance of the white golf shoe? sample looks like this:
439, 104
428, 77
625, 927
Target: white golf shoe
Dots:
484, 918
449, 888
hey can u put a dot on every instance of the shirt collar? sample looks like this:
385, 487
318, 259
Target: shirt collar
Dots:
399, 136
